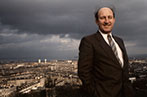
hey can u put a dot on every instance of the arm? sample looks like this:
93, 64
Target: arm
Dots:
85, 64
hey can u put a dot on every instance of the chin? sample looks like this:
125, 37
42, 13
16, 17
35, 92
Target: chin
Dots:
107, 31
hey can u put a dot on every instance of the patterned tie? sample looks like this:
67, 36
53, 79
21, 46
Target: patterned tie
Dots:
112, 44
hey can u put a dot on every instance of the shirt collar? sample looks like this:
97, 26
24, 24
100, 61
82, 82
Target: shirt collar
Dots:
105, 35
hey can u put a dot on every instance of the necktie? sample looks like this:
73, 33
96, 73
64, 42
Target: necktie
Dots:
112, 45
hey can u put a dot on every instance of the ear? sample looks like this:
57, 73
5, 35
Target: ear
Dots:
96, 21
114, 20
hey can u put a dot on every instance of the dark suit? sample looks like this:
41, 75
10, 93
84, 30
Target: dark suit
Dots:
99, 69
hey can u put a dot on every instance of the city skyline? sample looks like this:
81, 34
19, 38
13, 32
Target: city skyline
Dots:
53, 29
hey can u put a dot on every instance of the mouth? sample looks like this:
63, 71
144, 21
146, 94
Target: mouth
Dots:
107, 24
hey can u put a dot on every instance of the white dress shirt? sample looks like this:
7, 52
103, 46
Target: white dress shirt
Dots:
120, 55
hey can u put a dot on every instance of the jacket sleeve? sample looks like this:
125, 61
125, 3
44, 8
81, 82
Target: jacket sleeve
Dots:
85, 64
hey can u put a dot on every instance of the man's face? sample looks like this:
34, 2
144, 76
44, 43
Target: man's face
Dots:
105, 20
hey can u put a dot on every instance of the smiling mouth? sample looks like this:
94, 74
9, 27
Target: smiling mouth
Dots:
107, 24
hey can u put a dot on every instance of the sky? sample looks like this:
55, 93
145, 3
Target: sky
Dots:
52, 29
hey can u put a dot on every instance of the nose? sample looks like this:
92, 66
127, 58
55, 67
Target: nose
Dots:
106, 21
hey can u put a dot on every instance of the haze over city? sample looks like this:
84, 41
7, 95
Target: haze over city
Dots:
53, 28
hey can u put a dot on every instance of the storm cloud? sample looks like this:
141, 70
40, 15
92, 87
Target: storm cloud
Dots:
53, 28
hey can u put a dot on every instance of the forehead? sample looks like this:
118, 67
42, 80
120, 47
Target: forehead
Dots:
105, 11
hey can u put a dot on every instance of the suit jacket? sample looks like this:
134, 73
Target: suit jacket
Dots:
99, 70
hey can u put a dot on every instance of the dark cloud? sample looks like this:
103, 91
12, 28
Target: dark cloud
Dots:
47, 17
24, 24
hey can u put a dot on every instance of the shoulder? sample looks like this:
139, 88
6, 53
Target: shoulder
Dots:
88, 41
89, 38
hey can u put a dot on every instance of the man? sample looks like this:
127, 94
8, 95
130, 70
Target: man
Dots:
103, 61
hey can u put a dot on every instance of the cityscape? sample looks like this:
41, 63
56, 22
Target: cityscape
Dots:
57, 78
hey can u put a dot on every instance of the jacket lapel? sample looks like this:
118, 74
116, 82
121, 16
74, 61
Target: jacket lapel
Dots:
119, 43
122, 49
